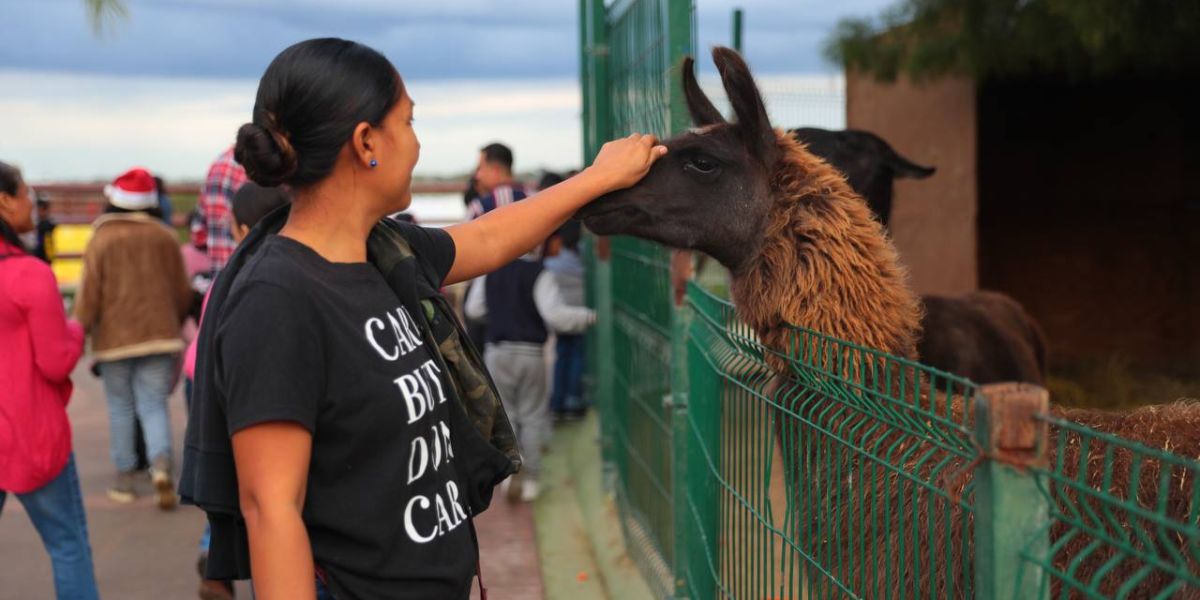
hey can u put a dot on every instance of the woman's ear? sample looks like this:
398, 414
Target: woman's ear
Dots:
364, 143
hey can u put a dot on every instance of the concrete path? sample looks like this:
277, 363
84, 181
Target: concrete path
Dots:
143, 553
508, 552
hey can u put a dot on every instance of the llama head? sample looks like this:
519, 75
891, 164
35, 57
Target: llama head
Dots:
712, 191
869, 163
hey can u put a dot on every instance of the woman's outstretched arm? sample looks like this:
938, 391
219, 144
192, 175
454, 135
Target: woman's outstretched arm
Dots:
499, 237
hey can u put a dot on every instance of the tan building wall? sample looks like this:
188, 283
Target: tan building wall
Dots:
933, 220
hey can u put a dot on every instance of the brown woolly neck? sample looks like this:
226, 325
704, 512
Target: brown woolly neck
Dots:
825, 264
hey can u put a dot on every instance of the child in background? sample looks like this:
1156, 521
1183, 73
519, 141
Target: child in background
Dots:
198, 266
195, 254
251, 203
566, 396
522, 302
45, 231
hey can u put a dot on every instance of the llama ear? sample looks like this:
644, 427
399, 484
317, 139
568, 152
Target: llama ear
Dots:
753, 123
701, 108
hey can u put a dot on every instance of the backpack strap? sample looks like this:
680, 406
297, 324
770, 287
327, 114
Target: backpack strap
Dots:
478, 561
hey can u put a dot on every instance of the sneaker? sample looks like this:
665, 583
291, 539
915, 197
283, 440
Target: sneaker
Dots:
211, 589
512, 488
121, 491
164, 488
529, 490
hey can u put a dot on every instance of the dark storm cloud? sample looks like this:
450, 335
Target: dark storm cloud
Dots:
428, 39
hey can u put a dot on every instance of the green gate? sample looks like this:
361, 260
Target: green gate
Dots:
830, 470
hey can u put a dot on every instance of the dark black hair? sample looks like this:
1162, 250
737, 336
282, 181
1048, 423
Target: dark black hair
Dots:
569, 233
498, 154
10, 182
111, 209
10, 179
472, 191
310, 99
160, 185
252, 202
549, 178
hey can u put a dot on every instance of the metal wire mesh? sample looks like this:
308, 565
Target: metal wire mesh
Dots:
638, 422
1124, 518
639, 62
839, 479
792, 100
642, 431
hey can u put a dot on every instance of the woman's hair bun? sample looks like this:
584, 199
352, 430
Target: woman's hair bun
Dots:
309, 101
265, 153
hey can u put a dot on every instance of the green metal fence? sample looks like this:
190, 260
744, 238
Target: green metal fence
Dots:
631, 54
821, 469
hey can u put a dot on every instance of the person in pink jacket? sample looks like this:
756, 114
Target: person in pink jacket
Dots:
38, 349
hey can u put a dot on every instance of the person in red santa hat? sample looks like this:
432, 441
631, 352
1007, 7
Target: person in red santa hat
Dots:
132, 300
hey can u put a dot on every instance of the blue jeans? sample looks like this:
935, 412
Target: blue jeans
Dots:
323, 592
139, 384
567, 394
56, 510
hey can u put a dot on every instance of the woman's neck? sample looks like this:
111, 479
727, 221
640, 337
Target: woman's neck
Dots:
333, 222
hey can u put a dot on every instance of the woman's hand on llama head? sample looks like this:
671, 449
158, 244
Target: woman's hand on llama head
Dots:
625, 161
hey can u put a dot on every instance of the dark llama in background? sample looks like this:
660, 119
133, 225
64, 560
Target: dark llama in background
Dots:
805, 250
869, 163
985, 336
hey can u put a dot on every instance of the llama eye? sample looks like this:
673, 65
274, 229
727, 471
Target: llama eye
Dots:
700, 165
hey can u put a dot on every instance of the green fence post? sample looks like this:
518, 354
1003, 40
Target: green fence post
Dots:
1012, 512
604, 343
601, 126
680, 323
737, 30
680, 35
585, 77
680, 21
593, 43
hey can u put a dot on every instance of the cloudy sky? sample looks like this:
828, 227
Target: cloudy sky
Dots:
168, 86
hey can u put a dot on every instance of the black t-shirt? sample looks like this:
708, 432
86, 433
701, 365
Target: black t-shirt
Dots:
329, 346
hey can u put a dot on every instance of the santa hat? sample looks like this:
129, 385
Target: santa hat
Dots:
133, 190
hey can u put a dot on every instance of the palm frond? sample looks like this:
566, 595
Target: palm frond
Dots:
102, 14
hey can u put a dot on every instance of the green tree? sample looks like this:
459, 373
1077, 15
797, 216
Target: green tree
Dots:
1078, 39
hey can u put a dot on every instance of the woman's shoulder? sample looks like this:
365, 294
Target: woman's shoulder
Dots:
122, 227
26, 264
272, 266
28, 273
433, 247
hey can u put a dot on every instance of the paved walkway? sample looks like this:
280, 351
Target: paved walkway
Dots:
143, 553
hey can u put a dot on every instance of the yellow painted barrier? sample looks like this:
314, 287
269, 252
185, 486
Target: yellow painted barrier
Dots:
67, 245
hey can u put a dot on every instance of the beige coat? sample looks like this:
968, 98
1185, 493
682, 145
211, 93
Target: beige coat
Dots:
134, 294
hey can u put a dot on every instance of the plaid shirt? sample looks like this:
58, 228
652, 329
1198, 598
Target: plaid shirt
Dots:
225, 176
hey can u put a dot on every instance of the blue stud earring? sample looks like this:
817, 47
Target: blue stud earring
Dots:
374, 163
